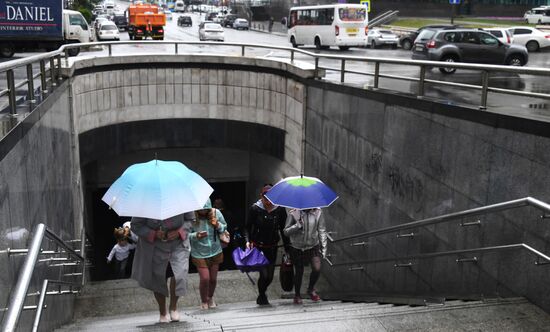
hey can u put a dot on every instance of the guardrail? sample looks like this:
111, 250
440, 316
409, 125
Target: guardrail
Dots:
331, 63
409, 258
19, 292
498, 207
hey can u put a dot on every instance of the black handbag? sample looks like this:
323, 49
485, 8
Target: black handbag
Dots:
286, 274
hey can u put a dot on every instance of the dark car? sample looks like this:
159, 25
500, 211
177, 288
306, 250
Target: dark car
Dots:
121, 22
211, 16
228, 20
467, 45
185, 20
407, 41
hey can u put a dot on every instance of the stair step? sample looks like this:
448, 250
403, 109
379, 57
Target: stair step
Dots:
494, 314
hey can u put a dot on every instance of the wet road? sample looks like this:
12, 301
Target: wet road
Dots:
532, 107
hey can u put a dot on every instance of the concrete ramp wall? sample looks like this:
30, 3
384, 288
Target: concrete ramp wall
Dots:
394, 159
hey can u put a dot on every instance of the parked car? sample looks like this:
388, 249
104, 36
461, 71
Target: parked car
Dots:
502, 34
240, 23
407, 41
531, 38
229, 19
379, 37
108, 31
467, 45
185, 20
121, 22
211, 31
168, 15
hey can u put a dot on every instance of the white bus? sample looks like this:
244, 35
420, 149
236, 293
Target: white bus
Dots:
342, 25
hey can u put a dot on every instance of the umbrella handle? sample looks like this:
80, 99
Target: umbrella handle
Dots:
250, 278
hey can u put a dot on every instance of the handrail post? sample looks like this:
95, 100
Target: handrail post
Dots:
484, 88
43, 84
292, 56
342, 71
421, 81
176, 47
110, 50
58, 57
242, 51
30, 84
52, 72
83, 254
376, 74
11, 91
18, 296
316, 66
40, 305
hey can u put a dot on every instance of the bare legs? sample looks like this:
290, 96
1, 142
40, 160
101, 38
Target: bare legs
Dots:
161, 299
173, 297
208, 280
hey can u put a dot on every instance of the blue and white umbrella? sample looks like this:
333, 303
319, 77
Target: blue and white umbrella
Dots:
301, 192
158, 190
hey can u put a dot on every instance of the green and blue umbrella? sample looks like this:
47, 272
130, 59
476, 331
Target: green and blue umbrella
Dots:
301, 192
158, 190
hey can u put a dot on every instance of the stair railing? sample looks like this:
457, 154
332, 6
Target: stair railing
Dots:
20, 291
498, 207
383, 18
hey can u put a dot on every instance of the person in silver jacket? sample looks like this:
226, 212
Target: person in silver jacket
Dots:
308, 244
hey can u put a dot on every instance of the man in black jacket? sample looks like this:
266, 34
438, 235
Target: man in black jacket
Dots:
264, 224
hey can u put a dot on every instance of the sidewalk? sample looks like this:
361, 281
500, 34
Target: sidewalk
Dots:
263, 26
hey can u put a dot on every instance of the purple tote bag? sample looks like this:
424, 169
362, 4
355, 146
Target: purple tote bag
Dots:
249, 260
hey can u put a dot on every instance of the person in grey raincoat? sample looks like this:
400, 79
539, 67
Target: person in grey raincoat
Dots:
308, 243
162, 252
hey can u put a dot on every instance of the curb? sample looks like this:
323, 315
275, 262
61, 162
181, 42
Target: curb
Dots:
282, 34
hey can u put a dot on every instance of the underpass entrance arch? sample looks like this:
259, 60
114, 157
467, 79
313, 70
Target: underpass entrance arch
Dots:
236, 158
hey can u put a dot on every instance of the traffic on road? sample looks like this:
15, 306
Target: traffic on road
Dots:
220, 24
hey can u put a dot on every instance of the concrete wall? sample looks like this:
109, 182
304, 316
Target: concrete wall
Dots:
395, 159
39, 184
250, 91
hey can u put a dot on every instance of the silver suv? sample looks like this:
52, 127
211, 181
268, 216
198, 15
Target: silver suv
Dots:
466, 45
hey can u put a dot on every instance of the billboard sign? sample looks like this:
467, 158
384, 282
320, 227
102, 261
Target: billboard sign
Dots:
31, 17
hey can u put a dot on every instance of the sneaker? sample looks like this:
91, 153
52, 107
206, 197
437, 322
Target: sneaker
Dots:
297, 300
204, 306
314, 296
211, 303
262, 300
174, 315
164, 319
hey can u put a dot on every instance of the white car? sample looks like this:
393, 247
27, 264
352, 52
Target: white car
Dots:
539, 15
108, 31
533, 39
379, 37
211, 31
502, 34
168, 15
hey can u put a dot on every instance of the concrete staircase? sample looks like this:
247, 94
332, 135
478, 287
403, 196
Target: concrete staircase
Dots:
122, 306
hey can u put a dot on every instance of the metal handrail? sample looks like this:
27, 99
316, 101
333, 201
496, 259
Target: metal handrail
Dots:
450, 252
527, 201
483, 69
17, 298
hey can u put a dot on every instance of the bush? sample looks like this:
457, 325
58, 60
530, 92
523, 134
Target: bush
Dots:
86, 13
